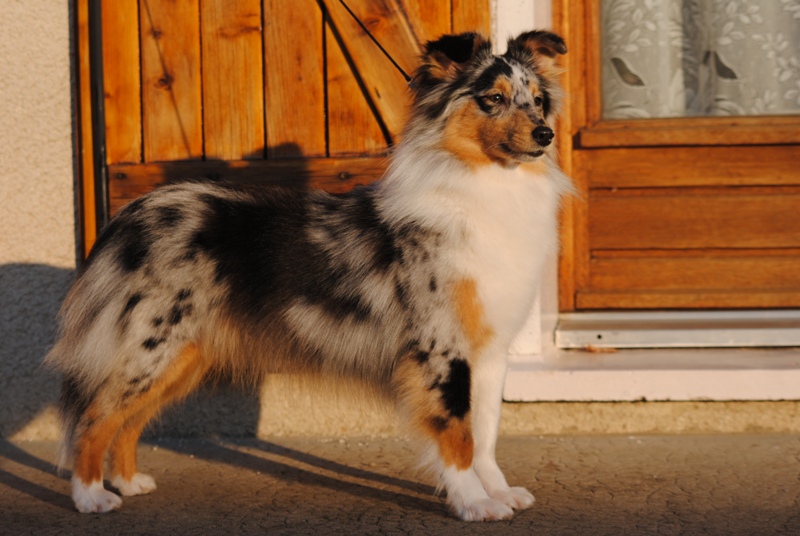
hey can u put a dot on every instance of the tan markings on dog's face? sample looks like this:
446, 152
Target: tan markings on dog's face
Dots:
498, 123
462, 137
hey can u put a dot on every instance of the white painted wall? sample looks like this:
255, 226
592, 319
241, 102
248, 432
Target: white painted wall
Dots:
37, 222
512, 17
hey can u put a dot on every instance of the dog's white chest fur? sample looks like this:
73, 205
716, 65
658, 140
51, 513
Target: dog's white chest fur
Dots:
510, 224
498, 224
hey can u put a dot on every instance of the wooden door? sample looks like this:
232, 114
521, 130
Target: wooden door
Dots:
252, 90
687, 213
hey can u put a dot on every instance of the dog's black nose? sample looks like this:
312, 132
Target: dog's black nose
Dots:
543, 135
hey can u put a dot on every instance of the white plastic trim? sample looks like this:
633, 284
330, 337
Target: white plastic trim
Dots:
629, 375
709, 329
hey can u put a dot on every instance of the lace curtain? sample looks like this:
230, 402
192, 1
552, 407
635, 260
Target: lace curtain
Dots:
677, 58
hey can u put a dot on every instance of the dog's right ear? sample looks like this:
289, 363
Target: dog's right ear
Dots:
445, 58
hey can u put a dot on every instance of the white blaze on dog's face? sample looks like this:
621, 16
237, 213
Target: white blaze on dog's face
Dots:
491, 108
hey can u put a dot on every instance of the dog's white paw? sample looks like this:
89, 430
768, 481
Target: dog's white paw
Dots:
94, 498
139, 484
516, 498
485, 510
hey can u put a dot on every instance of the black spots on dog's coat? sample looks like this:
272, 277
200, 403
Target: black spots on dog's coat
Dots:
128, 235
255, 240
456, 389
383, 239
135, 246
421, 356
151, 343
432, 285
341, 306
180, 308
135, 237
175, 315
246, 239
130, 304
137, 380
75, 398
137, 385
169, 216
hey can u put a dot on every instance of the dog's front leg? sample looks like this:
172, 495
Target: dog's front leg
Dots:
438, 406
488, 380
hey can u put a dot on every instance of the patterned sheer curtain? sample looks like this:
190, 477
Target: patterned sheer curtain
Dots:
679, 58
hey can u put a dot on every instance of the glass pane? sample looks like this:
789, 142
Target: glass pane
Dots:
688, 58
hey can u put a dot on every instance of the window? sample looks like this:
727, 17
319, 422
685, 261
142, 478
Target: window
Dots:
689, 187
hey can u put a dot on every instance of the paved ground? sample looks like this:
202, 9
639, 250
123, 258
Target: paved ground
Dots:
734, 484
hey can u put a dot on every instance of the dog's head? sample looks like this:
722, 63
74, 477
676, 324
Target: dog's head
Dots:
490, 108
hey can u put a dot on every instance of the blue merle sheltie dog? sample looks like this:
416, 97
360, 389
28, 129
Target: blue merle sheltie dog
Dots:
415, 285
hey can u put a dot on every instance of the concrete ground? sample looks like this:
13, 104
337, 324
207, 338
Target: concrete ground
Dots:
596, 485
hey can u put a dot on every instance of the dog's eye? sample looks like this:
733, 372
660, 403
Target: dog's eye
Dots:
495, 98
538, 101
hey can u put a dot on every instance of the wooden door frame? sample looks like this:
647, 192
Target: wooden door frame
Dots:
85, 127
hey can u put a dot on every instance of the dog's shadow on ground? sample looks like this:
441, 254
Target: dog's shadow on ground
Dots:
41, 491
260, 455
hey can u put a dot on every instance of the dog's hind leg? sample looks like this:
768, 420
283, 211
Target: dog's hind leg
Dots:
124, 476
98, 428
182, 378
116, 418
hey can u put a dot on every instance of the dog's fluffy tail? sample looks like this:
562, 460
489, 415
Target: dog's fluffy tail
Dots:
72, 405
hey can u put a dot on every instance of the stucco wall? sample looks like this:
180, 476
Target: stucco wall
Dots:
37, 222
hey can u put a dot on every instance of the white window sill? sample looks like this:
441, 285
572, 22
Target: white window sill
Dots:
684, 329
656, 374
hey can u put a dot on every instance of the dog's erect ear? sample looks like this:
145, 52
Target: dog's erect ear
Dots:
448, 56
539, 47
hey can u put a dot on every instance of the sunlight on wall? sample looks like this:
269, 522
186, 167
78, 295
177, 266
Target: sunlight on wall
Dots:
37, 257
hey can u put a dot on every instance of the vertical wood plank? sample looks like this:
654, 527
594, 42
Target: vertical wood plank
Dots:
591, 30
352, 125
472, 16
294, 78
86, 195
573, 266
120, 21
385, 85
233, 99
171, 92
429, 18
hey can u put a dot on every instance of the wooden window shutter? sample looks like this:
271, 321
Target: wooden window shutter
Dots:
251, 91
